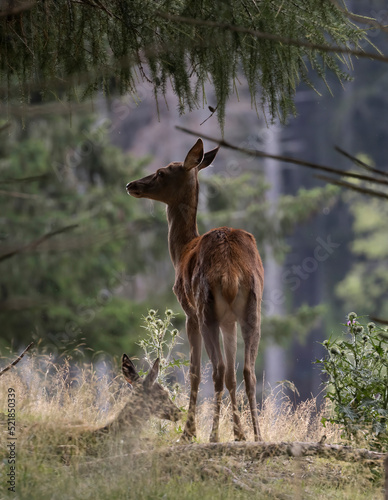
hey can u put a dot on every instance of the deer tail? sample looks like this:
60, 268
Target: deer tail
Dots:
229, 286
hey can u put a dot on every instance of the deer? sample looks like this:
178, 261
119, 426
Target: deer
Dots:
219, 280
148, 398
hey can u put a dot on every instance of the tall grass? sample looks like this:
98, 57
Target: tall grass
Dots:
58, 403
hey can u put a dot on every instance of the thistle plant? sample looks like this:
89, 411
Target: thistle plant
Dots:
357, 384
160, 342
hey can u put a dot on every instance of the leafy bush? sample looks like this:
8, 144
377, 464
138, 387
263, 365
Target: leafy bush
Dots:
357, 383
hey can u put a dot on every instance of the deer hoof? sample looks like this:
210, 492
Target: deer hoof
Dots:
214, 438
240, 437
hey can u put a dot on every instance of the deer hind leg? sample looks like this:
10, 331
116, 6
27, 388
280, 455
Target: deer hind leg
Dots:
195, 342
210, 331
250, 329
229, 334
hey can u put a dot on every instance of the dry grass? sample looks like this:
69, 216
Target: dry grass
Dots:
56, 401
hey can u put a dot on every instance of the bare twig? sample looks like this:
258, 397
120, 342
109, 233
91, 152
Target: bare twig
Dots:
274, 38
360, 163
286, 159
16, 360
212, 110
379, 320
353, 187
24, 179
15, 194
35, 243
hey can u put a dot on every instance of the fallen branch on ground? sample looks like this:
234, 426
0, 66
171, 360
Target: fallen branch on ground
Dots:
16, 360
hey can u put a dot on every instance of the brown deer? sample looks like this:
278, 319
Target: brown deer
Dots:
219, 280
148, 398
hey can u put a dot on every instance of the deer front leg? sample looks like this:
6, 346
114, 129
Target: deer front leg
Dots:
195, 342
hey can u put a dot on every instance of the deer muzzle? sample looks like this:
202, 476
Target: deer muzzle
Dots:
134, 189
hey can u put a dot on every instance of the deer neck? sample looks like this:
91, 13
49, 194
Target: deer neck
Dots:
182, 226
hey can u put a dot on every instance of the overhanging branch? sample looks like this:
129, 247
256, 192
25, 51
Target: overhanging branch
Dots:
275, 38
286, 159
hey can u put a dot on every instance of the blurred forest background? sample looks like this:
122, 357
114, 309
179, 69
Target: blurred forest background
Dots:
81, 262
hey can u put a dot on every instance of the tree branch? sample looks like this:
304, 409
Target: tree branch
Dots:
286, 159
357, 18
16, 194
16, 360
25, 179
255, 451
272, 37
361, 163
36, 243
379, 320
353, 187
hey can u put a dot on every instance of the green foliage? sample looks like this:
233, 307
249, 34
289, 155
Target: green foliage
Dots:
72, 285
296, 325
160, 342
357, 382
297, 209
110, 45
366, 283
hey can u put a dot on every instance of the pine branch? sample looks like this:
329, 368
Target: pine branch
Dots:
357, 18
16, 360
275, 38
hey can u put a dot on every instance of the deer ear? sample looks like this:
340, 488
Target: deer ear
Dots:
152, 375
208, 158
129, 370
194, 156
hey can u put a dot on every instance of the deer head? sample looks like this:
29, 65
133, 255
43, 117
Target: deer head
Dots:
149, 397
170, 184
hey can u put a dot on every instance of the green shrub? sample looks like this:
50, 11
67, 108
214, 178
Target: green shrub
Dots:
357, 384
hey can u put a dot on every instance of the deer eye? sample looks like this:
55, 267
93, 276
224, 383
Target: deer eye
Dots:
161, 173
